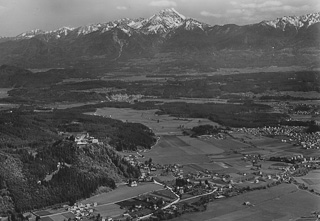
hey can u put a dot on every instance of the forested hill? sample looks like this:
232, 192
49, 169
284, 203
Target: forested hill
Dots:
39, 167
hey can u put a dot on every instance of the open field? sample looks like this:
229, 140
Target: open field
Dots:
228, 71
229, 144
4, 92
181, 150
109, 210
267, 146
174, 155
311, 180
283, 202
299, 117
122, 193
190, 100
66, 105
160, 124
59, 217
106, 201
199, 146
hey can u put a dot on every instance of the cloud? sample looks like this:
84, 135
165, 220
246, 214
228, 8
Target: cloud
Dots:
255, 5
209, 14
256, 10
234, 11
163, 3
122, 8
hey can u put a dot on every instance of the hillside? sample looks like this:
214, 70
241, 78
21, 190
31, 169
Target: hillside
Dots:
41, 164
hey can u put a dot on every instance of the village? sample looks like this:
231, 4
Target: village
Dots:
290, 134
186, 191
205, 186
189, 187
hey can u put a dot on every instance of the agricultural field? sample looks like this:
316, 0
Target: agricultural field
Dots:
283, 202
311, 180
106, 202
170, 151
4, 92
190, 100
184, 150
58, 217
226, 156
121, 193
160, 124
109, 210
266, 146
230, 144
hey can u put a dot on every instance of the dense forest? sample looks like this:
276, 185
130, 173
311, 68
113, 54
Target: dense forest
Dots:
232, 115
53, 85
40, 167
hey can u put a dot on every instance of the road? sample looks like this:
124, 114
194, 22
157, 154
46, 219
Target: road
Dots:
105, 204
205, 194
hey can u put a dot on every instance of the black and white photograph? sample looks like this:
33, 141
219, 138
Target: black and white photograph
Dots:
151, 110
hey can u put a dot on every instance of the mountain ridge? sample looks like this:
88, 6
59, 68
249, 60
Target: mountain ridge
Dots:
185, 42
164, 16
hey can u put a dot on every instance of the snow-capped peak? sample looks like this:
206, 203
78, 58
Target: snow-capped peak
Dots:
191, 24
64, 31
171, 12
84, 30
182, 16
296, 21
163, 21
30, 34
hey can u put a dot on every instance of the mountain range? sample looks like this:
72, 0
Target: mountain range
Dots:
168, 40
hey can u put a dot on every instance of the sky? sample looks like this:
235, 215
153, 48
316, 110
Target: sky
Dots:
18, 16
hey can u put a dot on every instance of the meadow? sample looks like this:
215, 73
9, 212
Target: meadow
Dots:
160, 124
282, 202
311, 180
121, 193
4, 92
106, 202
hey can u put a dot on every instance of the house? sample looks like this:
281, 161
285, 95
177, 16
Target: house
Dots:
133, 184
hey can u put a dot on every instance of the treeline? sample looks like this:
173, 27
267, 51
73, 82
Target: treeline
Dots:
12, 76
233, 115
205, 130
49, 87
25, 127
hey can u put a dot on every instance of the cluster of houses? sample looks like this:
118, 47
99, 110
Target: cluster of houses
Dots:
81, 139
307, 109
218, 136
81, 210
84, 139
274, 131
294, 134
215, 185
125, 98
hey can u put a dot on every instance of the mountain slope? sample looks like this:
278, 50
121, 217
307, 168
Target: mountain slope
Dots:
105, 44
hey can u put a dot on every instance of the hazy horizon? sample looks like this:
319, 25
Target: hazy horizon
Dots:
21, 16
